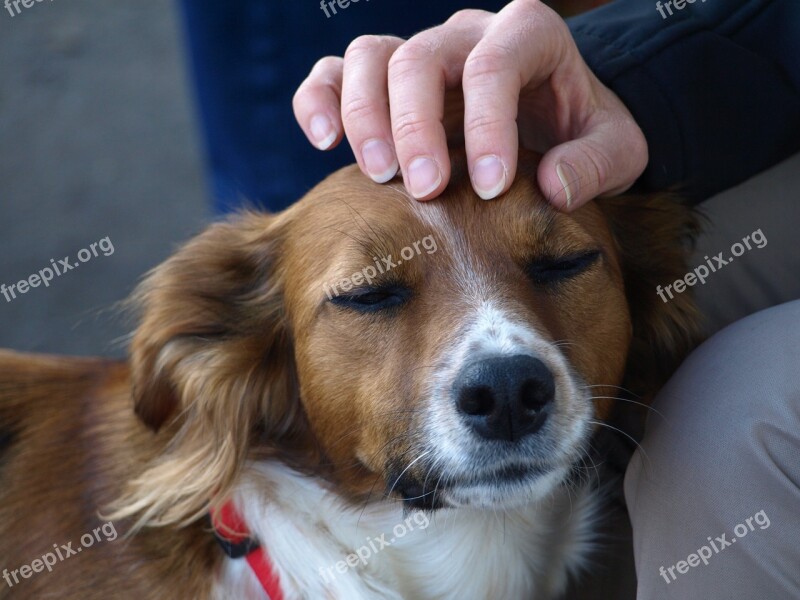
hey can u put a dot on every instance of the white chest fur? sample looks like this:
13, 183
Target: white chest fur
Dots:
323, 549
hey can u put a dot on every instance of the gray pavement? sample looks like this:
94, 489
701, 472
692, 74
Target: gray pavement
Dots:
97, 139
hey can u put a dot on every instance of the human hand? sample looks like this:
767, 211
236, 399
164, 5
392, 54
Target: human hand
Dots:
523, 81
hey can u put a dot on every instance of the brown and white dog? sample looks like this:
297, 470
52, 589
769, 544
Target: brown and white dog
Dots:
333, 369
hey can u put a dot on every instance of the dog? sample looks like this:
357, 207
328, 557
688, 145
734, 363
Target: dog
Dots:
364, 396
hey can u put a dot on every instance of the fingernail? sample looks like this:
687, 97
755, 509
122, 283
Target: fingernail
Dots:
424, 176
322, 131
489, 176
379, 159
569, 180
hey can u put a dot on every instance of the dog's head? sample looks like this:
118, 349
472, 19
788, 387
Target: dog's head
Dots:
453, 352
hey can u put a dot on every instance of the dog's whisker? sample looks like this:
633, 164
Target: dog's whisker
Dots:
430, 469
627, 435
375, 481
594, 467
642, 404
610, 385
403, 472
357, 463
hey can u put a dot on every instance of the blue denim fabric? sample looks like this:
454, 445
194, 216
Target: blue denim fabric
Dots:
247, 59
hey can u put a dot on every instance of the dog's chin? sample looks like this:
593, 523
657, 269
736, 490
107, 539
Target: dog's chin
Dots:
531, 486
495, 476
509, 488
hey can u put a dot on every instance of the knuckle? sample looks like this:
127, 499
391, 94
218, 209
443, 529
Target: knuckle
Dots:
480, 124
487, 61
467, 16
602, 170
363, 46
636, 154
358, 107
600, 165
326, 64
534, 6
408, 57
407, 126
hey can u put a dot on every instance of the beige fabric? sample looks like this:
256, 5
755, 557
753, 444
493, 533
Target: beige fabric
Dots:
760, 278
723, 448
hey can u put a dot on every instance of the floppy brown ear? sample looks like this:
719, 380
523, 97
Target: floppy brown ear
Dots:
212, 365
655, 235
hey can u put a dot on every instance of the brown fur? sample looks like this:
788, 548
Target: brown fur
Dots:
238, 354
71, 440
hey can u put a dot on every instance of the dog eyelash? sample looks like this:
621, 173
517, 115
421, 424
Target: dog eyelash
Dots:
553, 270
369, 300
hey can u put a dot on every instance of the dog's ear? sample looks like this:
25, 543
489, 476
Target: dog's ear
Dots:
655, 235
212, 365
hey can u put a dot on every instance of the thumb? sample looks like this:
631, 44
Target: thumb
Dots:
606, 159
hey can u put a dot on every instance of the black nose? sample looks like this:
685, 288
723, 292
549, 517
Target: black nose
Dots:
505, 398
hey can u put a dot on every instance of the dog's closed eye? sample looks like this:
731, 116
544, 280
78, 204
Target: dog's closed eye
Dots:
373, 299
552, 270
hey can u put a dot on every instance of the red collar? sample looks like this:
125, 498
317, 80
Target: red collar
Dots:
234, 537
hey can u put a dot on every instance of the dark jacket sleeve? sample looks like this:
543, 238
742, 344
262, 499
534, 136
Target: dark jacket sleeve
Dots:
715, 85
